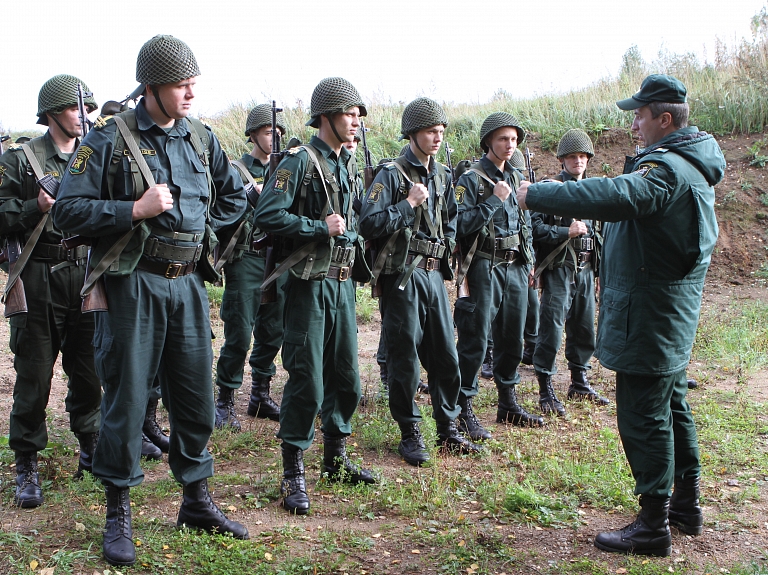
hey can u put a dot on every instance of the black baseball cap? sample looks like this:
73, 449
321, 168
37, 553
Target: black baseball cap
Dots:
656, 88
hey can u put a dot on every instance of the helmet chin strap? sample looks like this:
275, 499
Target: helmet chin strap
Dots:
492, 151
416, 143
156, 94
67, 132
263, 151
330, 119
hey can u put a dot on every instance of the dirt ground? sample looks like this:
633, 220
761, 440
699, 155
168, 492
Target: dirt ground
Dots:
740, 252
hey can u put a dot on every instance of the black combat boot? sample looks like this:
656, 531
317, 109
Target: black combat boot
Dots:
383, 394
467, 422
338, 466
87, 443
647, 535
198, 510
510, 412
684, 510
152, 429
412, 447
548, 401
28, 491
422, 387
261, 403
293, 487
225, 410
118, 547
449, 438
528, 350
580, 388
149, 450
486, 370
692, 383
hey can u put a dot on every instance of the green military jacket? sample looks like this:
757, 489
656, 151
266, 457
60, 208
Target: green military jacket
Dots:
550, 231
385, 210
19, 213
294, 204
90, 205
660, 232
475, 212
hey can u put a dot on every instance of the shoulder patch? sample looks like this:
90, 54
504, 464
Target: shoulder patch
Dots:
281, 180
2, 173
645, 168
100, 122
375, 194
460, 191
81, 160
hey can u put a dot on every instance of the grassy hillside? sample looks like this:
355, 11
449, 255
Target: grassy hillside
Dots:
727, 96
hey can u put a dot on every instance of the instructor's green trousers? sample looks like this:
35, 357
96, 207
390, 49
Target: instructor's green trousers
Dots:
657, 430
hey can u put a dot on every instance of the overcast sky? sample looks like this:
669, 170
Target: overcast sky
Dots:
389, 49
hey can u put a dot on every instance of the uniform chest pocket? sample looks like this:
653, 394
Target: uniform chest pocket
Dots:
614, 320
133, 173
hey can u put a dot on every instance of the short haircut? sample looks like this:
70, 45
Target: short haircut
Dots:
679, 112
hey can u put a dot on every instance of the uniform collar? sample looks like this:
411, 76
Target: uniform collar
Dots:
248, 160
565, 176
491, 169
145, 122
52, 150
327, 152
412, 159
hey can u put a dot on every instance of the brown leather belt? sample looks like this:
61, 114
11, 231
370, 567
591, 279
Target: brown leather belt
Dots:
503, 256
338, 273
170, 270
428, 264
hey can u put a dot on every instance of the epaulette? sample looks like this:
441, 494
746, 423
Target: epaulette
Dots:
101, 121
293, 151
662, 150
14, 146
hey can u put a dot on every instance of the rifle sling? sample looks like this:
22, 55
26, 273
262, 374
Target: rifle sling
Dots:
117, 248
25, 254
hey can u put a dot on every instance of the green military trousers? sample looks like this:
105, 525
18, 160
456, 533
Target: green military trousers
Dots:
568, 299
657, 430
244, 317
154, 327
417, 325
52, 324
497, 302
320, 356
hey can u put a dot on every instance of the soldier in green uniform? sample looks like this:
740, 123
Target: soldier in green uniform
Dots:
495, 241
308, 203
410, 212
659, 237
242, 312
157, 323
52, 278
567, 252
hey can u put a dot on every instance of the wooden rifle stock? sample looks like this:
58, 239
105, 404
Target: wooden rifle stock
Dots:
16, 300
96, 300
